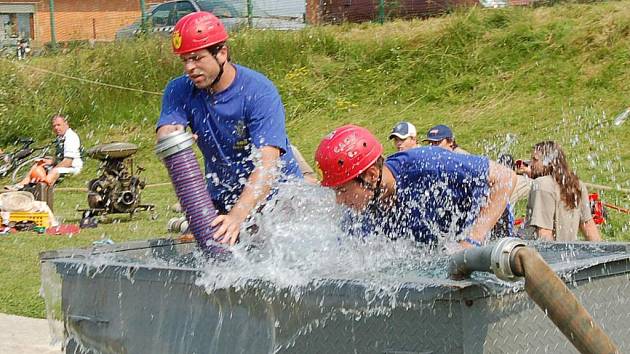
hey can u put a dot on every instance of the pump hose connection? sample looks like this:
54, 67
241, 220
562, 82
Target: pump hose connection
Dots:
175, 150
509, 260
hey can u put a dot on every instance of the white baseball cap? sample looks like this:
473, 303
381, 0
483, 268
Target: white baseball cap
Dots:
404, 130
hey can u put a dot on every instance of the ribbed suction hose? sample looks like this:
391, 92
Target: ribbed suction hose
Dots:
175, 149
509, 259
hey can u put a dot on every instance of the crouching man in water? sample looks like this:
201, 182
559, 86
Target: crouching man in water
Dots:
238, 118
423, 193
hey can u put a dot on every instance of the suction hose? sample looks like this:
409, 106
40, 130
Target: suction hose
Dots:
509, 260
175, 149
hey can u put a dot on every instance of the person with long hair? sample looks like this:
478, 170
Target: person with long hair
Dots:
558, 203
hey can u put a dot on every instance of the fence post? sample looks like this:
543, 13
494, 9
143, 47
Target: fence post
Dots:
250, 13
381, 11
53, 38
143, 15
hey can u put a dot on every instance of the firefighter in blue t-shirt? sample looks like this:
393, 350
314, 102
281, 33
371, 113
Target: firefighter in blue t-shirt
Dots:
425, 192
237, 116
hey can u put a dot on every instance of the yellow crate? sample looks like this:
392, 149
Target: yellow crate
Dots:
39, 218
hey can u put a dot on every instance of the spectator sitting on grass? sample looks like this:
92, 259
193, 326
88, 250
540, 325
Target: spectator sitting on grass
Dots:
67, 159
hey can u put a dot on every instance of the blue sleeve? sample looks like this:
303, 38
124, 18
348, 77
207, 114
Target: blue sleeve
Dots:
173, 104
478, 166
439, 161
267, 121
473, 172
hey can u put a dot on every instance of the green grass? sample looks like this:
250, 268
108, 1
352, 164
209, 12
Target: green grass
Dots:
19, 252
534, 73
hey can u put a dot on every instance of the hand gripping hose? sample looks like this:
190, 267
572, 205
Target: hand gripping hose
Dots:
175, 150
509, 259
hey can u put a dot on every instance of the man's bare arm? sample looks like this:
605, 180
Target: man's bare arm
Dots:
544, 234
167, 129
502, 181
590, 231
256, 190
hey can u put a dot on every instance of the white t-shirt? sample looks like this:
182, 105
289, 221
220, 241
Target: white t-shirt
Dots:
72, 148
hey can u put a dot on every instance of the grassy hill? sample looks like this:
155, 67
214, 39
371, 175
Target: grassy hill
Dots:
504, 79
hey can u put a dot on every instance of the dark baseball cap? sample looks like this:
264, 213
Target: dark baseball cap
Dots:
438, 133
404, 130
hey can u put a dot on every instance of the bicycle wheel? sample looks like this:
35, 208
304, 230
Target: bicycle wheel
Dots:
22, 169
5, 169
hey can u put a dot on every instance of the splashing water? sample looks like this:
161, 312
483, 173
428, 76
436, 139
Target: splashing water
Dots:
299, 244
619, 119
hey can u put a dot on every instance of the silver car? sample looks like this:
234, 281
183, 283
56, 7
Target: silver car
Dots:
162, 18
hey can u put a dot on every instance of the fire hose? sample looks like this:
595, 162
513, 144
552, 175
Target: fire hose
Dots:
510, 259
175, 150
617, 208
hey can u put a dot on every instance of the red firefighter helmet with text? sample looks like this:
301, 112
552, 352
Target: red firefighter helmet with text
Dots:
346, 153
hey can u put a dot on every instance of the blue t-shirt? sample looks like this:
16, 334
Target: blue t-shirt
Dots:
249, 113
438, 193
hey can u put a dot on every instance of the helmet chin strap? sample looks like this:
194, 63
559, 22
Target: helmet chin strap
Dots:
373, 203
377, 189
216, 79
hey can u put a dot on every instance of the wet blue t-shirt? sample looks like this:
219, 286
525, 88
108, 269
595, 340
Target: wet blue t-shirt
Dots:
249, 113
438, 193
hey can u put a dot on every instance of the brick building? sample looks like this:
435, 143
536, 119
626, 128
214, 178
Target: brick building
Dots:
100, 19
74, 19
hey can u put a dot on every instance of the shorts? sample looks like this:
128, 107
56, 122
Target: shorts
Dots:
68, 170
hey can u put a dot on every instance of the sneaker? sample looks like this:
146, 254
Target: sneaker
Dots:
14, 187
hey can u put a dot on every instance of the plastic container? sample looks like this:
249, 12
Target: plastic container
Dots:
39, 218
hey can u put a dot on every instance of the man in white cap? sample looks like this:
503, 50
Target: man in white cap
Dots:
404, 135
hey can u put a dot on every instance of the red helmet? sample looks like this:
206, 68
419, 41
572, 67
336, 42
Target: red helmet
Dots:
196, 31
345, 153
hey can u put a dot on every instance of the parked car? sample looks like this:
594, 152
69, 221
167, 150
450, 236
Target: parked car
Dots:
161, 18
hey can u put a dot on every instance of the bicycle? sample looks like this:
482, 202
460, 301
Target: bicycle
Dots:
19, 161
